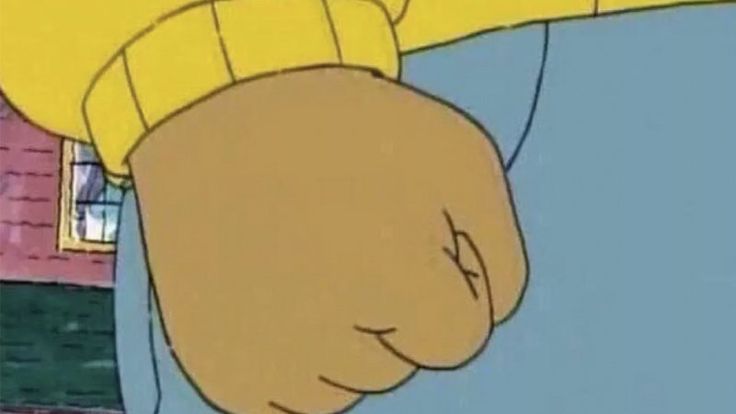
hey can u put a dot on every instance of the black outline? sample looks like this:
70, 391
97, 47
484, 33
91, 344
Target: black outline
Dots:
454, 255
153, 293
494, 152
104, 208
380, 334
89, 139
152, 345
333, 30
74, 202
154, 364
85, 163
287, 410
402, 12
526, 23
223, 46
394, 35
97, 203
132, 89
112, 287
239, 82
386, 390
535, 101
21, 115
101, 71
157, 403
59, 196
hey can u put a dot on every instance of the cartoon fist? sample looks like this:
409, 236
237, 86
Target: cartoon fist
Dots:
320, 235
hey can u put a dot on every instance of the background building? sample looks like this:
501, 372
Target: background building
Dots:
58, 216
58, 219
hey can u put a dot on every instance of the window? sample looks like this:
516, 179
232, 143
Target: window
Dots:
89, 204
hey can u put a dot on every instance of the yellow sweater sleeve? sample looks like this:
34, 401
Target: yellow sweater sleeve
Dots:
50, 50
429, 22
108, 71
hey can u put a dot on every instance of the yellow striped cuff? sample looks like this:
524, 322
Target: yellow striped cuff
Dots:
202, 49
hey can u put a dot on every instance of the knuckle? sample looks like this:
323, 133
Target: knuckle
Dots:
508, 288
465, 342
450, 346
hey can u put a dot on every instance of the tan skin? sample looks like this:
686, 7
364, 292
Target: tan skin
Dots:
323, 234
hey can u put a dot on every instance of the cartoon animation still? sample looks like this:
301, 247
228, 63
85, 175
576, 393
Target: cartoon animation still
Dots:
367, 206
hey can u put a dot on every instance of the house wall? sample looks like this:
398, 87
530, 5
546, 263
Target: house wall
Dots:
30, 161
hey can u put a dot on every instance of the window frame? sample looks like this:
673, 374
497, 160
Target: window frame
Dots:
66, 203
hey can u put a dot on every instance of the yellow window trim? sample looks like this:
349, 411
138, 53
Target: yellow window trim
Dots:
65, 240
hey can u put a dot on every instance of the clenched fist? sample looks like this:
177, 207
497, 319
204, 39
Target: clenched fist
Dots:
320, 235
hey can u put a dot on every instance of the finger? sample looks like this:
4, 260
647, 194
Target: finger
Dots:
312, 396
485, 217
437, 316
360, 364
468, 259
474, 189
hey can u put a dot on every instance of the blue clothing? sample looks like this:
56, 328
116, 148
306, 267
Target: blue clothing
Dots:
624, 189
